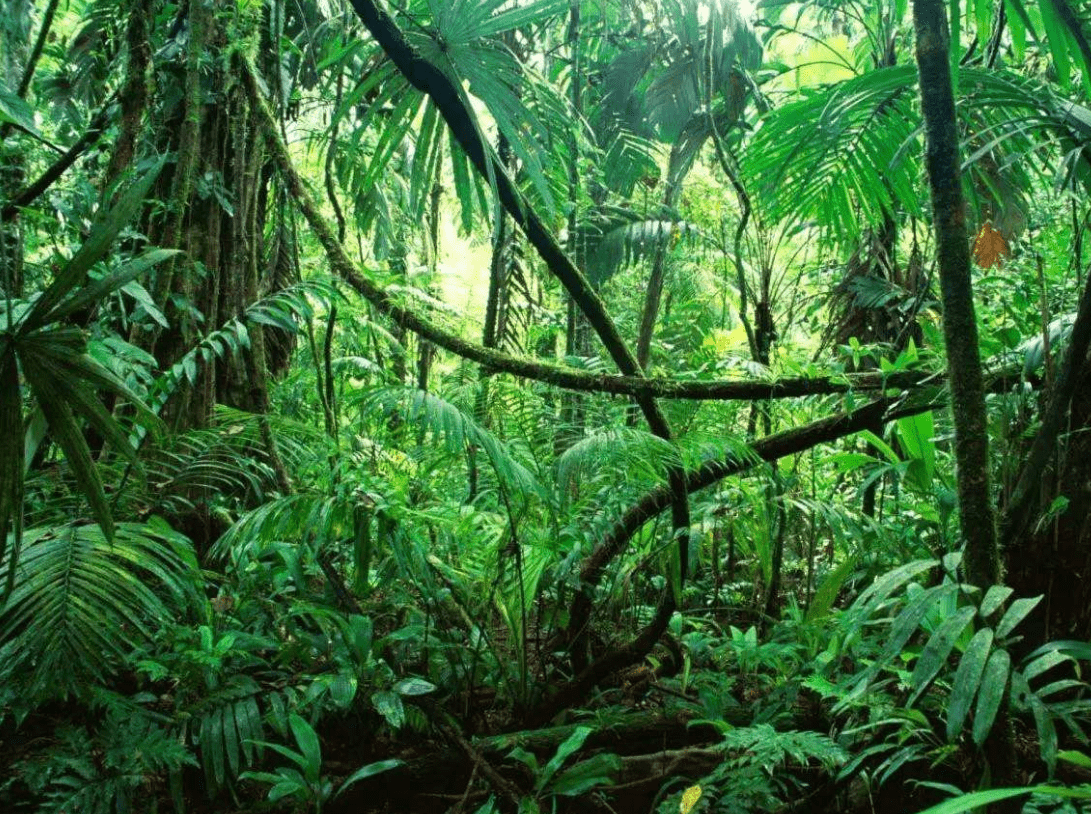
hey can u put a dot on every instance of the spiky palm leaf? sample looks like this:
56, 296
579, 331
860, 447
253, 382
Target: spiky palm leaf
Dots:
457, 430
63, 379
844, 156
847, 156
389, 118
83, 601
616, 237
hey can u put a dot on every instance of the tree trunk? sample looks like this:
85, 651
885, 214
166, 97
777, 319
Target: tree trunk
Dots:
982, 560
982, 555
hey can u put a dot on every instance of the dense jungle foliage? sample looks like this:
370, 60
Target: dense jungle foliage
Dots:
545, 406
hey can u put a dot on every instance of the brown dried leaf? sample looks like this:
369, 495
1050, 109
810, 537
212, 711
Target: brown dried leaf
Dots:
990, 247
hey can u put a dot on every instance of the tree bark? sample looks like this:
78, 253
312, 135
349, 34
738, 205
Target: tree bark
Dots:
981, 561
982, 558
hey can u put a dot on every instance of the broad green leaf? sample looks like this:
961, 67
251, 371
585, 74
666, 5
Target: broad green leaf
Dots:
1057, 38
975, 800
414, 686
1018, 24
144, 300
586, 775
1015, 614
996, 596
370, 770
293, 784
1043, 723
1075, 758
62, 426
16, 110
231, 739
248, 723
1073, 648
967, 680
907, 622
876, 593
389, 705
916, 434
993, 684
307, 739
882, 446
828, 590
91, 294
1045, 662
939, 647
519, 16
570, 746
212, 744
954, 22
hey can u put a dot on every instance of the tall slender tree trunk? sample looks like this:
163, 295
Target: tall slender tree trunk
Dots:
982, 555
982, 559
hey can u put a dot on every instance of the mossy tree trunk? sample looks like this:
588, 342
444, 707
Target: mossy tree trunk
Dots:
982, 554
982, 559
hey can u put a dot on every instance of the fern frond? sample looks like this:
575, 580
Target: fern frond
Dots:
81, 603
457, 430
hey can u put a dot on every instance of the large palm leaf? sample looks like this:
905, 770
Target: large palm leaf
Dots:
63, 379
83, 599
847, 155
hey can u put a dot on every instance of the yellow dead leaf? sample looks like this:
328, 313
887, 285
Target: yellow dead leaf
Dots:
689, 799
990, 247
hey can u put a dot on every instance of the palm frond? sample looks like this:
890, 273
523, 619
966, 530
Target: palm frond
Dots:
842, 157
81, 602
639, 454
295, 517
457, 430
616, 237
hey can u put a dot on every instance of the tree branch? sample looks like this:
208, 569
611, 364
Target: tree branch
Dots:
29, 194
768, 449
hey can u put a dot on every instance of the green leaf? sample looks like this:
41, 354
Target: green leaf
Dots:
993, 684
916, 434
309, 747
907, 622
570, 746
586, 775
1058, 43
62, 425
231, 739
1047, 732
370, 770
975, 800
389, 705
996, 596
939, 647
967, 680
212, 744
1075, 758
828, 589
1018, 23
877, 593
16, 111
414, 686
104, 229
1016, 613
1045, 662
91, 294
